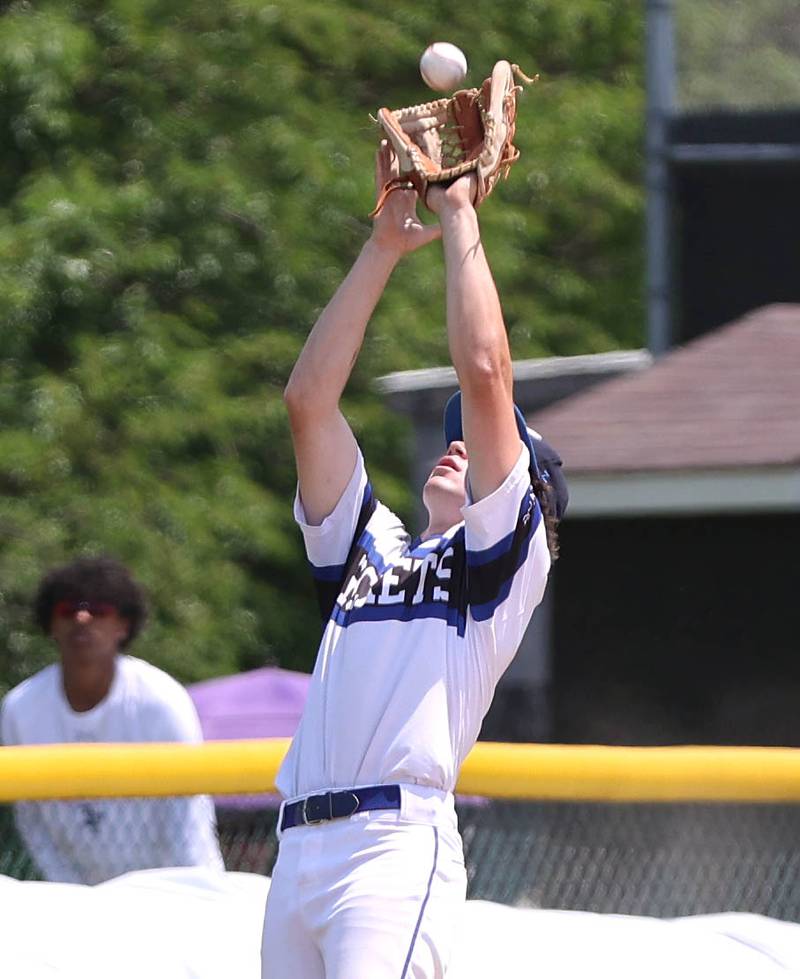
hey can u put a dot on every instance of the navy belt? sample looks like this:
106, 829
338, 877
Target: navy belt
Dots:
339, 805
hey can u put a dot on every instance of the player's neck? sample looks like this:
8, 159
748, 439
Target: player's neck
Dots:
436, 528
87, 685
444, 512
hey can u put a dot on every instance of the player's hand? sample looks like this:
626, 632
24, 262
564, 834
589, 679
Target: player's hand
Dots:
397, 228
459, 194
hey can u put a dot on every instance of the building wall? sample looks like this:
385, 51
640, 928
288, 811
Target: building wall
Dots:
680, 630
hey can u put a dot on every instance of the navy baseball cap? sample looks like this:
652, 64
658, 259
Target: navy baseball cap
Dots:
545, 461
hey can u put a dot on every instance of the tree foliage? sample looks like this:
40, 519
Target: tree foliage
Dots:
181, 189
735, 54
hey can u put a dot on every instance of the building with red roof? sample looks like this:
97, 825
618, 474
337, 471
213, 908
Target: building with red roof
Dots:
672, 615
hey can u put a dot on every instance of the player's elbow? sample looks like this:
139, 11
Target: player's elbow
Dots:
486, 371
299, 400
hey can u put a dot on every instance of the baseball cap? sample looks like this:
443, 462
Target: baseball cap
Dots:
545, 461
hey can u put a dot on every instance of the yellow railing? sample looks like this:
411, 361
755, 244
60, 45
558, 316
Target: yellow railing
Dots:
518, 771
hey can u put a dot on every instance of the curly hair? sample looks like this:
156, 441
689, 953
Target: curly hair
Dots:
100, 579
544, 494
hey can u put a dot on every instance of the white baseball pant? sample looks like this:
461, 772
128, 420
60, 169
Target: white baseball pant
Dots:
373, 896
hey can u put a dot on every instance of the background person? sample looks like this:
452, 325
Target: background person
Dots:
93, 609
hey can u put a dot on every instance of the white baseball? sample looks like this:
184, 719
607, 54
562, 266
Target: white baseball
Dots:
443, 66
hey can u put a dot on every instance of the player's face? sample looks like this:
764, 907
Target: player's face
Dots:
445, 491
87, 631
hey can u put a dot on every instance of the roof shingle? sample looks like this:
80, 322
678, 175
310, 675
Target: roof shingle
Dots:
730, 399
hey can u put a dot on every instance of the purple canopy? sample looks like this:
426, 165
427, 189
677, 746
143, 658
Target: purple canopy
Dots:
263, 703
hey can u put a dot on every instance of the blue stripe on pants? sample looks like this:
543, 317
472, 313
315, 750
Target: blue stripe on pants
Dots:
424, 903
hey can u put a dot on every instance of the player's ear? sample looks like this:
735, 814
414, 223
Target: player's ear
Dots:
123, 632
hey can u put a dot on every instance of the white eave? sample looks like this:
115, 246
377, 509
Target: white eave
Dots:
595, 365
685, 493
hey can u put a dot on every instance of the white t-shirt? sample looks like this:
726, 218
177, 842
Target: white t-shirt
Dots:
96, 839
416, 635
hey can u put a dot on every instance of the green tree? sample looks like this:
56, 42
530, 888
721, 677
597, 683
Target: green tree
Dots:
181, 189
735, 54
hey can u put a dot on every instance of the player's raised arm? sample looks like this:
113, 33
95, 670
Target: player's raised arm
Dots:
478, 342
324, 445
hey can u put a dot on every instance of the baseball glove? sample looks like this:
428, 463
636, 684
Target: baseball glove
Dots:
436, 142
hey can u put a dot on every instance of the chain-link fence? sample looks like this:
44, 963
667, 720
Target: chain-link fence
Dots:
645, 859
87, 841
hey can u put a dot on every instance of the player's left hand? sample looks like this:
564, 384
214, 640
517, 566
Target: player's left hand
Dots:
397, 227
452, 197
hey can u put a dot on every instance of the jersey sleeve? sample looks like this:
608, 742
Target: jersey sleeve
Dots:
11, 715
45, 852
7, 735
329, 544
189, 833
507, 559
31, 826
173, 716
188, 825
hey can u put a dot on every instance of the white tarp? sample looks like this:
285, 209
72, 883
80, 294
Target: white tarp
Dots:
193, 924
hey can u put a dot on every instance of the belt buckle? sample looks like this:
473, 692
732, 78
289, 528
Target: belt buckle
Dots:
323, 818
356, 805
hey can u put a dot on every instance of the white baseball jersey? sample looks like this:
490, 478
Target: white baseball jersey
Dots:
96, 839
416, 635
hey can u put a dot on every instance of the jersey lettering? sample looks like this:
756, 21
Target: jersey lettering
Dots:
386, 577
444, 572
409, 581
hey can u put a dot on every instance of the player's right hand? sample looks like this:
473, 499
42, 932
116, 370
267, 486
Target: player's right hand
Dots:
397, 226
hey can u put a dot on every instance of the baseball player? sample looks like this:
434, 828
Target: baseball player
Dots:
370, 873
93, 609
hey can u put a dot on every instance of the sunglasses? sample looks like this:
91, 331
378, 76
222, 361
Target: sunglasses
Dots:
68, 609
